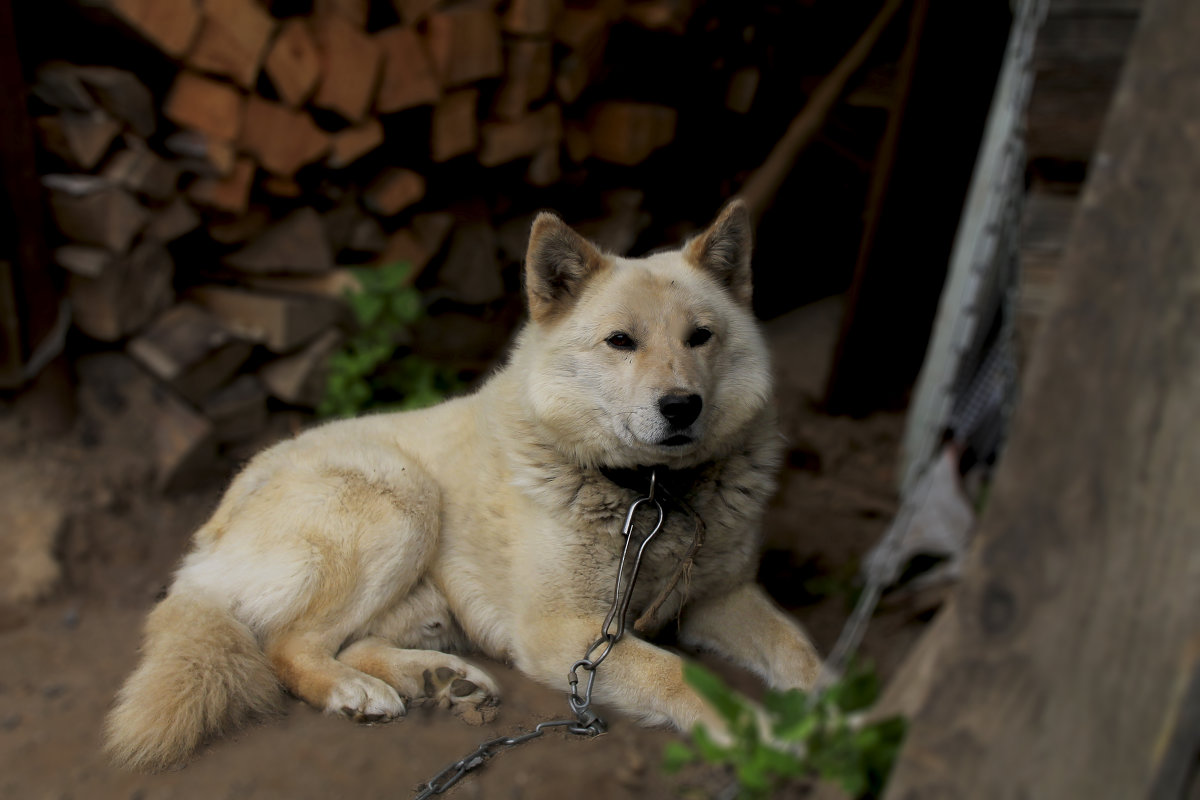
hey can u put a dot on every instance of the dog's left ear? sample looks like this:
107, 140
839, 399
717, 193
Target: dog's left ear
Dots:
557, 263
724, 251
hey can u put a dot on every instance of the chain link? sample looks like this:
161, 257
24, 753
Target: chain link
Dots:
586, 722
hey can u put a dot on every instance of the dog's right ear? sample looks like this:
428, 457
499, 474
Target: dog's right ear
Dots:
557, 263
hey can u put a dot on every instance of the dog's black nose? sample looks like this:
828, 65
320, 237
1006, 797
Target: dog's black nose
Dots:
680, 410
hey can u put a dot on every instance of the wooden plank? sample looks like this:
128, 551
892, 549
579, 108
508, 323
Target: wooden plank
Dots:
1070, 644
454, 130
350, 66
233, 40
280, 138
409, 78
465, 45
294, 63
204, 105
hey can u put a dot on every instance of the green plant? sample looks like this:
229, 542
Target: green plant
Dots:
366, 373
818, 736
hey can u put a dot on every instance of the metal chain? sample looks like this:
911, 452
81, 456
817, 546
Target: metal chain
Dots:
586, 722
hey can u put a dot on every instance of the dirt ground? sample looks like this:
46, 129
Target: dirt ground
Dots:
90, 543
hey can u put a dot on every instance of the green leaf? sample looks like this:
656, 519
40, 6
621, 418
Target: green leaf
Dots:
713, 689
677, 755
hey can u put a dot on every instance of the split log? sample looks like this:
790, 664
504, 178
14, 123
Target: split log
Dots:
408, 79
282, 187
240, 228
201, 153
172, 222
90, 210
506, 141
293, 63
350, 67
230, 194
585, 33
394, 191
58, 85
233, 40
190, 350
470, 273
527, 77
282, 139
297, 243
531, 17
121, 94
169, 25
349, 145
743, 86
667, 16
545, 168
627, 133
237, 411
454, 128
278, 322
129, 291
355, 12
140, 170
300, 378
185, 447
334, 284
413, 11
80, 138
418, 244
466, 46
82, 259
205, 105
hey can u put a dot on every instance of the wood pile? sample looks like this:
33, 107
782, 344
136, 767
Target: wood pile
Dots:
209, 217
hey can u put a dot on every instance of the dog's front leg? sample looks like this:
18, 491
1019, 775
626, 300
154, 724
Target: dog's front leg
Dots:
747, 628
636, 678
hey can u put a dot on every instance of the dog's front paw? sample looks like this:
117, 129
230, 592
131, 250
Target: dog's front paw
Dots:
365, 699
469, 693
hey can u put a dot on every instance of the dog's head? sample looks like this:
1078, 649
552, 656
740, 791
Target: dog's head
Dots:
656, 360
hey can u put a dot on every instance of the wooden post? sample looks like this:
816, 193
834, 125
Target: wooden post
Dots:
1067, 660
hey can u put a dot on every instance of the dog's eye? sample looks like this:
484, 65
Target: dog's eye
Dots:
621, 341
699, 337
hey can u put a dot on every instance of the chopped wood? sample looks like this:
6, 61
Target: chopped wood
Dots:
128, 292
81, 138
96, 212
281, 323
122, 95
466, 46
185, 446
355, 12
282, 187
201, 104
413, 11
408, 78
350, 67
505, 141
237, 411
282, 139
300, 378
577, 142
394, 191
531, 17
334, 284
405, 246
297, 243
82, 259
233, 40
169, 25
545, 168
340, 222
201, 153
367, 236
668, 16
527, 77
585, 33
140, 170
190, 350
294, 63
627, 133
743, 86
177, 219
432, 228
351, 144
231, 194
58, 85
471, 271
455, 129
240, 228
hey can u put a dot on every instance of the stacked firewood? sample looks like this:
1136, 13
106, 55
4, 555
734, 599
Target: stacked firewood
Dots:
210, 217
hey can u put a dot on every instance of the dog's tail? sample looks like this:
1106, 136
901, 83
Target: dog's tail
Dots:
202, 673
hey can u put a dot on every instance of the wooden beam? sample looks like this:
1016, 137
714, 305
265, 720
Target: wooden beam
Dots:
1068, 660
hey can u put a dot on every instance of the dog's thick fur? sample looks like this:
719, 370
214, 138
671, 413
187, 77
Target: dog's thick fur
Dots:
344, 564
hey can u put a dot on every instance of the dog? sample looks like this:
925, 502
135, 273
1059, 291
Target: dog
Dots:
350, 564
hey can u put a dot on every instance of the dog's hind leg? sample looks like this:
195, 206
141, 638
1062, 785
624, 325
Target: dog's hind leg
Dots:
427, 676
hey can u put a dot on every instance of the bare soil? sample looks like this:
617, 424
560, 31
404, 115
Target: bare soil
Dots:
72, 603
